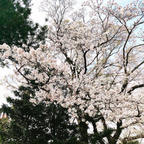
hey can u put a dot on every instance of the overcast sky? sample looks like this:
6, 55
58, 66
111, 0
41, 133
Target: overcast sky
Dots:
39, 16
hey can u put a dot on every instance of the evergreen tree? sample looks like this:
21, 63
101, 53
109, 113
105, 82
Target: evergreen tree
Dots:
16, 28
33, 122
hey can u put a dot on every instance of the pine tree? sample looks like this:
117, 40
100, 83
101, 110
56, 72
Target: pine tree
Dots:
33, 122
16, 28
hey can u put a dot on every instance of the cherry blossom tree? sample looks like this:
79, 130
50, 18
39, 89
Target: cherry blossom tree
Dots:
93, 65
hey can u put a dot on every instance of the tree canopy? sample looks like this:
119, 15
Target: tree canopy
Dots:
16, 27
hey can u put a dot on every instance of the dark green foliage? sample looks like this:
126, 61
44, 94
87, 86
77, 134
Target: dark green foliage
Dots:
15, 26
4, 128
34, 122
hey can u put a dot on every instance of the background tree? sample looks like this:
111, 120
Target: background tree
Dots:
17, 28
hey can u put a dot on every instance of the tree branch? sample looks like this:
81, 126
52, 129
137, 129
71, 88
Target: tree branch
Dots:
85, 60
135, 87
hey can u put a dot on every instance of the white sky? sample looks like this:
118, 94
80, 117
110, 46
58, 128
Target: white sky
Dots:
4, 92
37, 15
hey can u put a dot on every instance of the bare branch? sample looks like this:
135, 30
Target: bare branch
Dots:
127, 56
135, 87
85, 60
136, 67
